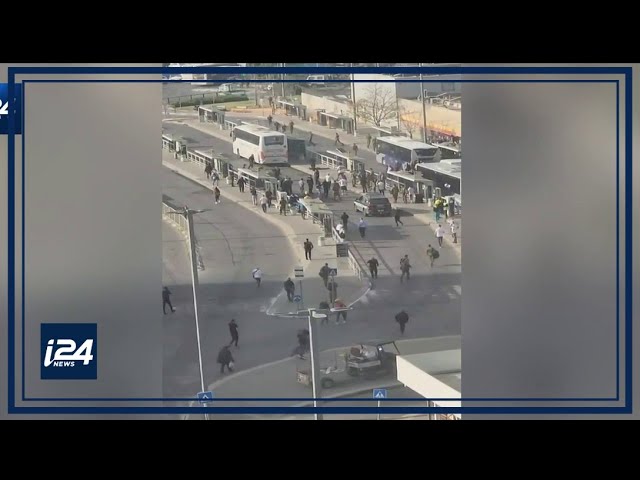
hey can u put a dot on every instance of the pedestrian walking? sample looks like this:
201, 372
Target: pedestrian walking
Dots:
373, 267
257, 275
451, 206
339, 303
433, 254
405, 268
216, 194
411, 192
310, 184
207, 170
354, 149
454, 231
332, 286
368, 140
252, 161
394, 193
345, 221
380, 186
337, 140
290, 288
270, 120
308, 246
362, 227
301, 183
263, 203
166, 300
283, 206
324, 274
440, 235
241, 182
316, 176
215, 178
396, 217
404, 194
254, 196
269, 195
291, 127
336, 191
402, 318
225, 359
343, 184
364, 181
311, 140
276, 125
325, 188
233, 330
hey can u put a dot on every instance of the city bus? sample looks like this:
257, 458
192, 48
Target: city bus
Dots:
445, 175
449, 151
399, 152
267, 146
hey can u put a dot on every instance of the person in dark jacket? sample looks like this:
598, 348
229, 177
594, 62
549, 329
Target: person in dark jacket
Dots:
402, 318
233, 330
396, 217
324, 273
269, 196
166, 300
252, 161
373, 267
241, 182
225, 359
208, 169
290, 288
310, 183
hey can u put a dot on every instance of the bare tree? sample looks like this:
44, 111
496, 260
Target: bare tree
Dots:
407, 120
377, 105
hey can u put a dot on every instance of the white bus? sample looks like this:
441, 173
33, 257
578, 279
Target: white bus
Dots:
400, 152
267, 146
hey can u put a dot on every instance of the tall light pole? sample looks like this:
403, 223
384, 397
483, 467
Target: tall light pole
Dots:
283, 82
424, 109
353, 99
188, 214
313, 351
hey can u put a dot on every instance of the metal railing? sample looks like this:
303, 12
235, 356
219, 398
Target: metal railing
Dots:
355, 266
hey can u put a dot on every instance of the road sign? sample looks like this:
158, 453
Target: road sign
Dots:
379, 393
297, 298
299, 272
333, 272
205, 397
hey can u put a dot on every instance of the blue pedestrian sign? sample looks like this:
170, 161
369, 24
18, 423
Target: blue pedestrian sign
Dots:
297, 298
379, 393
205, 397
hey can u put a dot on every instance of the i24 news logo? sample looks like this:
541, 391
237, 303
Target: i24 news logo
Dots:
10, 106
69, 351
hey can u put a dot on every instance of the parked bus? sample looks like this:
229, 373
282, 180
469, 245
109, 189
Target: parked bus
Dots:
449, 151
267, 146
398, 153
445, 175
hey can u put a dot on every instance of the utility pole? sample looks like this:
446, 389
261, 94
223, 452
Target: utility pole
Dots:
283, 82
353, 100
188, 214
424, 109
313, 351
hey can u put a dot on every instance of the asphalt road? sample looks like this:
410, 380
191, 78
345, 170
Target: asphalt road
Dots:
233, 241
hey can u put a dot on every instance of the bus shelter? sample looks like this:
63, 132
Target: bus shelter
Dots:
403, 180
255, 179
210, 114
340, 160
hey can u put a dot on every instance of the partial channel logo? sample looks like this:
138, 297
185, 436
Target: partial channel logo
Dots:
10, 106
69, 351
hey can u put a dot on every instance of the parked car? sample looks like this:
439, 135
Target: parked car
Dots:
373, 204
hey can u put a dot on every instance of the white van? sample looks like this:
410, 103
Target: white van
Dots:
317, 79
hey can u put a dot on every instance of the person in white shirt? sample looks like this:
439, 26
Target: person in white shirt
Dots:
380, 186
328, 178
340, 230
301, 183
411, 192
263, 203
440, 234
454, 231
343, 184
257, 275
362, 226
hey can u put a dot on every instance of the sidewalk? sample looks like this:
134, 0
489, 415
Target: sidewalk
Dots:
278, 379
296, 230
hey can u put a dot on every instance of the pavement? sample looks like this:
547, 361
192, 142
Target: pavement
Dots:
278, 380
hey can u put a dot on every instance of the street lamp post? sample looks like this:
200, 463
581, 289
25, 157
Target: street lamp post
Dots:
188, 214
313, 351
353, 101
424, 109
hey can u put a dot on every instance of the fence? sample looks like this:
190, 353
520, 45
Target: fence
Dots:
180, 222
355, 266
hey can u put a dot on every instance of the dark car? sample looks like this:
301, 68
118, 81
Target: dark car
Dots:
373, 204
